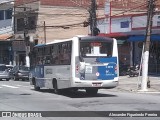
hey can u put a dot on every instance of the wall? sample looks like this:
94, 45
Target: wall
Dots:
6, 24
118, 26
72, 3
140, 22
135, 23
61, 22
103, 25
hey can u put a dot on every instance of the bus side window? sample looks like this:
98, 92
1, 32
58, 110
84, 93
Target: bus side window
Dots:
54, 54
60, 57
47, 60
66, 56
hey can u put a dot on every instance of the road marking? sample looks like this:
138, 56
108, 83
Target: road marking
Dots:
9, 86
22, 86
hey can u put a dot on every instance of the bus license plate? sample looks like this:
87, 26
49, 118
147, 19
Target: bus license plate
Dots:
96, 84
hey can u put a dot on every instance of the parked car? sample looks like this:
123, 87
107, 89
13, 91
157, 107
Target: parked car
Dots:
9, 67
5, 72
20, 72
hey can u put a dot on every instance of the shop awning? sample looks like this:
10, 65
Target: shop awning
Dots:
113, 34
4, 37
137, 38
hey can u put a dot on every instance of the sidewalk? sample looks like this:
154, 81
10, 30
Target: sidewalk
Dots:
130, 84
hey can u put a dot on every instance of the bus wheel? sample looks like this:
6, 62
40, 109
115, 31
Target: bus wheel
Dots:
91, 91
55, 86
37, 88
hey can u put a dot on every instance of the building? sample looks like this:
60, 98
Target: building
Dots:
25, 24
58, 19
124, 20
6, 32
42, 21
128, 25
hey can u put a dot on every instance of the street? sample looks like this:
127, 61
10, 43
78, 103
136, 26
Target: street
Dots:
80, 44
20, 96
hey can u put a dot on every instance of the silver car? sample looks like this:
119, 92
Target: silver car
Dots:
4, 72
20, 72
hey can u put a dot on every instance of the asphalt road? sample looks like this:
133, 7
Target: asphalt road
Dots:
20, 96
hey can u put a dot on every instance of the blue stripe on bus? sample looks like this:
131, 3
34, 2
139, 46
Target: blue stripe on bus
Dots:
107, 72
39, 71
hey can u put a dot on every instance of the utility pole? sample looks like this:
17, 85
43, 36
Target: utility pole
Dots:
44, 27
151, 6
93, 18
26, 37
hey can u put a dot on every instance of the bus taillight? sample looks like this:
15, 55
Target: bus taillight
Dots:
77, 68
116, 69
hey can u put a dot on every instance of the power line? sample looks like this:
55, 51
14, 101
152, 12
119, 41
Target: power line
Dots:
61, 26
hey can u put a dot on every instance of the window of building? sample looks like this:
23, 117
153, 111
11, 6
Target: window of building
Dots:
8, 14
20, 24
1, 14
158, 23
31, 22
125, 24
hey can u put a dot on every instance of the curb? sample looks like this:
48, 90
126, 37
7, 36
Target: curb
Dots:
138, 91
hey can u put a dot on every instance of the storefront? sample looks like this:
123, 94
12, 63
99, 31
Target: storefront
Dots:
19, 49
154, 54
6, 51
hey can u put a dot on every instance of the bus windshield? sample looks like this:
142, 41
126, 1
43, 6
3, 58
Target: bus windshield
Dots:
94, 49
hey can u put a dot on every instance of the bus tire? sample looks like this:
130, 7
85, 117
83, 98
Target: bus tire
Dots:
91, 91
55, 86
36, 88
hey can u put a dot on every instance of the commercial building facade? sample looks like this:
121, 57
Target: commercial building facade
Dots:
47, 21
6, 32
58, 19
129, 29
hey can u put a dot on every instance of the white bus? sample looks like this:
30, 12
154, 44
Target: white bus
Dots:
89, 62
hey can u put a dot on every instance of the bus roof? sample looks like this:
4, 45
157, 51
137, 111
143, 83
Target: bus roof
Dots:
95, 38
59, 41
82, 38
